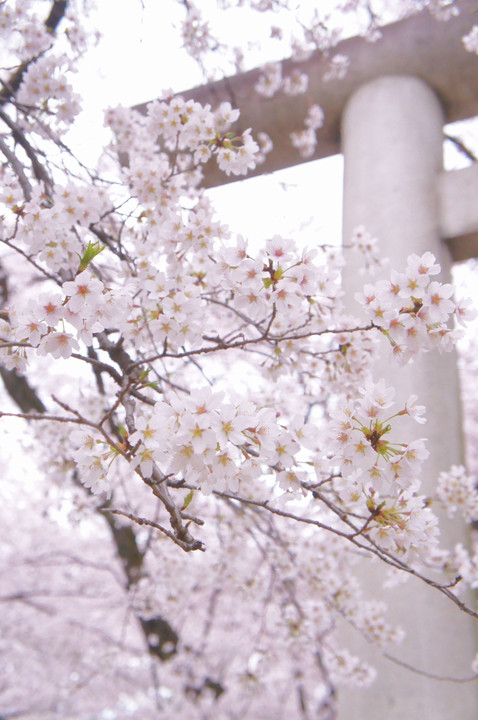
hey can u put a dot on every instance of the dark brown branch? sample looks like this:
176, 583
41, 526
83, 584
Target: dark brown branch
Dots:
21, 392
57, 12
162, 638
181, 535
98, 366
126, 546
119, 355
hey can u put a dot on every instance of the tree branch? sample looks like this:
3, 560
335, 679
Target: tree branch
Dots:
460, 145
57, 12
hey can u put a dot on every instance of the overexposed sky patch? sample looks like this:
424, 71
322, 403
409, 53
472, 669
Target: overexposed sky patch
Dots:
303, 202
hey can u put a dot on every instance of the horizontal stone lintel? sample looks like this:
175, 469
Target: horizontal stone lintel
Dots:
420, 46
458, 207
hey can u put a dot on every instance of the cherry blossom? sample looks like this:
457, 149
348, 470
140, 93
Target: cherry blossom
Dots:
199, 422
59, 344
470, 41
270, 81
457, 491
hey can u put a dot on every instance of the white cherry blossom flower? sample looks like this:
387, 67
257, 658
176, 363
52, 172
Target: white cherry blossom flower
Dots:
84, 290
58, 344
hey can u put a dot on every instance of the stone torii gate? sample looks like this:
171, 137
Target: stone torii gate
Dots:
386, 116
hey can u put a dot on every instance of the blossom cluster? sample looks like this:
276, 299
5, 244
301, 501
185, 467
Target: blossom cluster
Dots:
338, 66
45, 86
94, 459
413, 310
189, 132
296, 83
464, 563
271, 81
187, 125
32, 38
360, 440
54, 230
45, 89
378, 471
295, 286
196, 33
213, 444
443, 10
368, 247
405, 525
46, 324
457, 491
306, 140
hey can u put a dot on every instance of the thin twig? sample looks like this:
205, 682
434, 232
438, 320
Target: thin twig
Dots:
144, 521
424, 673
253, 341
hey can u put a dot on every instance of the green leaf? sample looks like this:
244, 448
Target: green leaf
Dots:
122, 431
187, 499
92, 250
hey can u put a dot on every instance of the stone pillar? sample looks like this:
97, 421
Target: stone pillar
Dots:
392, 145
